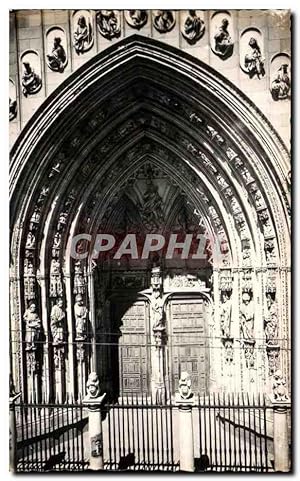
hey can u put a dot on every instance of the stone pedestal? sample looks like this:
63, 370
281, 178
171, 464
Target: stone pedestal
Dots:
281, 441
95, 431
185, 400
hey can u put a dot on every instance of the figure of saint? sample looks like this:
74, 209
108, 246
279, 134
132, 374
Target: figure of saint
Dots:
31, 82
80, 312
164, 21
281, 85
247, 317
82, 35
57, 323
193, 28
185, 385
223, 40
271, 322
79, 282
254, 63
56, 287
109, 23
33, 327
30, 242
57, 58
136, 18
225, 314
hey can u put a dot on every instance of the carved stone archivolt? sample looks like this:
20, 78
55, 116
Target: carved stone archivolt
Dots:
164, 20
136, 18
96, 158
109, 23
193, 28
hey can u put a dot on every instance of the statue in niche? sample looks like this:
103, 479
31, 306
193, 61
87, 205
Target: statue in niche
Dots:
271, 322
225, 314
281, 84
57, 59
109, 24
31, 82
29, 280
12, 109
254, 63
247, 317
228, 345
193, 28
33, 328
164, 21
223, 40
56, 288
82, 35
79, 282
280, 391
151, 210
57, 323
81, 313
136, 18
30, 241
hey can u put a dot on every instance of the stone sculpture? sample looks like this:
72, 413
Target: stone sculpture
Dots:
109, 24
57, 323
193, 28
254, 62
81, 313
164, 20
223, 40
31, 82
281, 84
33, 328
57, 59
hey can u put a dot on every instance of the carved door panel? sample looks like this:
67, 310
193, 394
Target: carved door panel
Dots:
188, 349
133, 362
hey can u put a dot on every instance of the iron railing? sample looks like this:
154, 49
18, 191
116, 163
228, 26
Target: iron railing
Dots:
232, 432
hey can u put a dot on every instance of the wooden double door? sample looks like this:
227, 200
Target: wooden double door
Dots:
186, 348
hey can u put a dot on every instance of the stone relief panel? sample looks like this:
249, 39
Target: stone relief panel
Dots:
136, 18
163, 20
109, 23
12, 100
192, 26
31, 77
222, 34
83, 35
280, 76
56, 48
252, 59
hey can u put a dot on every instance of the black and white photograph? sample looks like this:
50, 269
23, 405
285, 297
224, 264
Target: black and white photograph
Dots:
150, 285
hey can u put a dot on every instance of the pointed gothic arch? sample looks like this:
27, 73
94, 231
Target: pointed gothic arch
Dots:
138, 102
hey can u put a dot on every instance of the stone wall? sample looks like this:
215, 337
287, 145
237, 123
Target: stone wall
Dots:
31, 31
